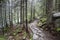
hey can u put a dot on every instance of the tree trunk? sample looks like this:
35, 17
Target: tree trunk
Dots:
21, 12
49, 9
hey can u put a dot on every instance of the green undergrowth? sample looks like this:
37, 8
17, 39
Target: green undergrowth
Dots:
31, 37
2, 37
58, 29
18, 33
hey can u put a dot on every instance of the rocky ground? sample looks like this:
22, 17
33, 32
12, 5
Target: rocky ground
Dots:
40, 34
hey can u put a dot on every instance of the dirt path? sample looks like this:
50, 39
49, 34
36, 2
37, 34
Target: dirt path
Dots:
39, 34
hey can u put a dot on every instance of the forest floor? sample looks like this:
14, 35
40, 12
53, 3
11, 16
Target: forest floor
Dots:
19, 33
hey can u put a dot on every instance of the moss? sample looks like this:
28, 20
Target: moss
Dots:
58, 29
2, 37
31, 37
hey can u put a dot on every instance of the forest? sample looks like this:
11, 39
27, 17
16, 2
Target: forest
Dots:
29, 19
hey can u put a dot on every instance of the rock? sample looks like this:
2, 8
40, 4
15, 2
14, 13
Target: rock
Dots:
35, 36
11, 38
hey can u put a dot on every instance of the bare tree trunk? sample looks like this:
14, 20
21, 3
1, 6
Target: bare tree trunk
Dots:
57, 2
21, 12
17, 16
23, 9
34, 13
49, 9
2, 18
31, 12
26, 15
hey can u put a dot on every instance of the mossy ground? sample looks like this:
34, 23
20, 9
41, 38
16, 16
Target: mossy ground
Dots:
2, 37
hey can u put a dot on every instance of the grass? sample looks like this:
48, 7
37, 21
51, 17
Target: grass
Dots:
2, 37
